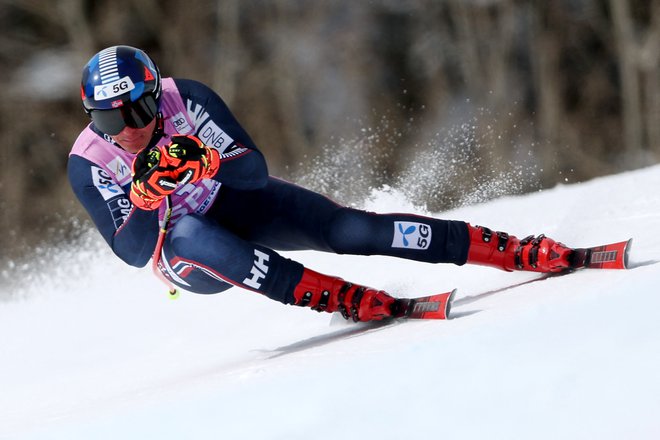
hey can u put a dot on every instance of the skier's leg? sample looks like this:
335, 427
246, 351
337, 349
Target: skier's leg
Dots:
203, 257
414, 237
443, 241
285, 216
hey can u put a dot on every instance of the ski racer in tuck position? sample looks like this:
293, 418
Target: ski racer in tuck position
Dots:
167, 154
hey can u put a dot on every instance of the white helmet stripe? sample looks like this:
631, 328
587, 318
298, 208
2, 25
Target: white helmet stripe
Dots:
108, 65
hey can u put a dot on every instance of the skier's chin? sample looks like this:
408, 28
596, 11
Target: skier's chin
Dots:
132, 147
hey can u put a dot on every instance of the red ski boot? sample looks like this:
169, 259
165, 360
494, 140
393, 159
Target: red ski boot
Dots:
536, 254
325, 293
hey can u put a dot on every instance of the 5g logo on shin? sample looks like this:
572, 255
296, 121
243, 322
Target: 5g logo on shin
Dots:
411, 235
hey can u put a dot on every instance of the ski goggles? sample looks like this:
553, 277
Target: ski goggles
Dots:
136, 114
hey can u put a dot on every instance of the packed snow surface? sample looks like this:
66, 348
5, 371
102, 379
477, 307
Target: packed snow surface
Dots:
109, 356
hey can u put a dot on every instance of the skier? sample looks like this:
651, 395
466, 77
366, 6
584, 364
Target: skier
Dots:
164, 154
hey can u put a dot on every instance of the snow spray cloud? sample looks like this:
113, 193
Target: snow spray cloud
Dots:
49, 266
347, 169
464, 164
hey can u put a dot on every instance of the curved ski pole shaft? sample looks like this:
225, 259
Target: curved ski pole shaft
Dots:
155, 258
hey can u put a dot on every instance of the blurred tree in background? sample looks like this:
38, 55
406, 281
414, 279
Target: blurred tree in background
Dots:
443, 94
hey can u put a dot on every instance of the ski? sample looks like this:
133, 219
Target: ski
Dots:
608, 256
426, 307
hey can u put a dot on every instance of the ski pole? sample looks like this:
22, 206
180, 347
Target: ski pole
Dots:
162, 231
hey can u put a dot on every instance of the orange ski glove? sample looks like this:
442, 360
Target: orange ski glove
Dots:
158, 172
192, 159
153, 179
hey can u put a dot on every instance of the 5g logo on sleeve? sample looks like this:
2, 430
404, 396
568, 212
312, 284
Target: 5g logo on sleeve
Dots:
411, 235
104, 183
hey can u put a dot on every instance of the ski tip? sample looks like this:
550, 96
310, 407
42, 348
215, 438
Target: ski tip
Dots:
626, 254
609, 256
449, 303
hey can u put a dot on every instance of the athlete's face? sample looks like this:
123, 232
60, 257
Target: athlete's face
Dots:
135, 139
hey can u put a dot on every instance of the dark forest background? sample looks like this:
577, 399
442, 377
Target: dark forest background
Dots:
450, 96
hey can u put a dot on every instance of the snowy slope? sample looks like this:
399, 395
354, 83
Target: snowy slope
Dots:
572, 357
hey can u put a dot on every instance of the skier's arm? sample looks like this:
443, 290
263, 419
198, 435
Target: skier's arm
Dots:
242, 164
131, 233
